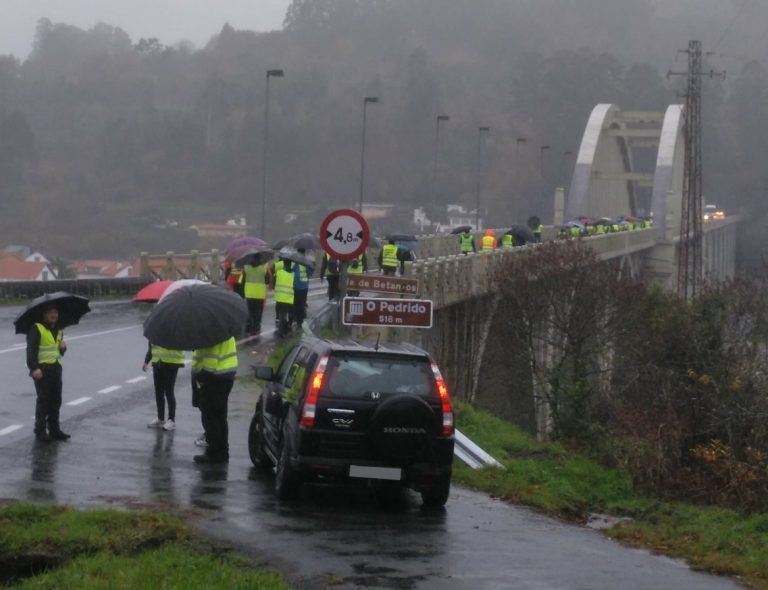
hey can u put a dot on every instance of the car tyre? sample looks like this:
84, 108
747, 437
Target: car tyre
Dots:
436, 495
287, 481
256, 442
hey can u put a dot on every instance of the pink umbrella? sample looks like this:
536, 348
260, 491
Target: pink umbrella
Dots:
237, 246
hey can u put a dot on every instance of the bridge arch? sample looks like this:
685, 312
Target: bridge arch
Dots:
667, 199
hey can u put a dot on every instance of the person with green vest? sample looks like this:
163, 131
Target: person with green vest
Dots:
357, 266
508, 241
272, 270
329, 269
389, 258
467, 242
45, 347
301, 275
488, 241
213, 374
255, 281
537, 233
166, 363
284, 296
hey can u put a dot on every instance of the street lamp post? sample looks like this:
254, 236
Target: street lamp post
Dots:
542, 149
439, 119
566, 155
480, 132
366, 101
270, 74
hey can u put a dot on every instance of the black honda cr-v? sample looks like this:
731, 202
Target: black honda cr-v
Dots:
353, 411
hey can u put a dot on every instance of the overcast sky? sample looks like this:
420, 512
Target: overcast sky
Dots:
168, 20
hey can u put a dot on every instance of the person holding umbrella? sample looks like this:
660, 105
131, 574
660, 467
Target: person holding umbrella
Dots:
166, 363
45, 347
302, 274
467, 241
389, 258
284, 296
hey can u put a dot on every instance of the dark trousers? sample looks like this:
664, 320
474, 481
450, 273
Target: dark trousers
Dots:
164, 376
284, 312
333, 287
48, 403
214, 400
389, 271
255, 311
300, 306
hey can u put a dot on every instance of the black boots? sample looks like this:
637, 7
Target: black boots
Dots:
60, 435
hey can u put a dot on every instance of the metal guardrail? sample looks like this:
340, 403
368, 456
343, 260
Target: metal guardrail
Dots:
471, 454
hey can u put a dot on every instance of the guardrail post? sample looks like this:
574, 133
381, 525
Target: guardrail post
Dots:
193, 269
144, 270
214, 270
168, 270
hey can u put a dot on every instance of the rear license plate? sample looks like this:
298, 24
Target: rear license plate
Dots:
392, 473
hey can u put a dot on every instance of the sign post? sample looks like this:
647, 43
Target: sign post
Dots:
398, 313
344, 235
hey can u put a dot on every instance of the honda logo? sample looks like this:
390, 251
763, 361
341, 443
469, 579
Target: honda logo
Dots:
375, 395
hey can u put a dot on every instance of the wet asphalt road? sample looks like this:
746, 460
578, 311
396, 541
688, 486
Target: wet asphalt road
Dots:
332, 537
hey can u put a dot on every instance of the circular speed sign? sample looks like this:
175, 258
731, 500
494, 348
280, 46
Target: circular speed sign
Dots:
344, 234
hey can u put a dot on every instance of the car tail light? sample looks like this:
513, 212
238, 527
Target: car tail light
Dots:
309, 409
445, 401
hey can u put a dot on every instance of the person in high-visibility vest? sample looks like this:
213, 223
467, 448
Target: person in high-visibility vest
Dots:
255, 290
272, 272
357, 266
235, 280
467, 242
213, 374
45, 347
165, 366
329, 269
488, 241
389, 258
301, 275
508, 241
284, 297
537, 233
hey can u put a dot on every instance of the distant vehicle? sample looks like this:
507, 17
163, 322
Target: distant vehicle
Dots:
713, 212
346, 411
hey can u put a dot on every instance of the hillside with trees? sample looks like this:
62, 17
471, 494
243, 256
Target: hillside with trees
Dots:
105, 140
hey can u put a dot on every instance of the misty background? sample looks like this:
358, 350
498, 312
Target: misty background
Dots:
116, 135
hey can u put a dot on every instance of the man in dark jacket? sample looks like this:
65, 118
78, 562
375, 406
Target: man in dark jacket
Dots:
45, 347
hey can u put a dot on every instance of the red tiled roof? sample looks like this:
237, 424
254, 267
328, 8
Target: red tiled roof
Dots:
18, 270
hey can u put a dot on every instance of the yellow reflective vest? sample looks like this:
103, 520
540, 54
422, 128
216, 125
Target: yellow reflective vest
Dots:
508, 241
488, 243
389, 256
48, 353
355, 269
219, 359
467, 243
284, 286
255, 281
167, 356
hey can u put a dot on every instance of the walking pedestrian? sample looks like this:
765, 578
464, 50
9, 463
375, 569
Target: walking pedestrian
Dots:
537, 233
488, 242
213, 375
329, 269
467, 242
301, 275
389, 259
357, 266
45, 347
284, 297
165, 367
255, 291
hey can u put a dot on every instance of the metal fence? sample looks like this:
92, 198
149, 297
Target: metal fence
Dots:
128, 286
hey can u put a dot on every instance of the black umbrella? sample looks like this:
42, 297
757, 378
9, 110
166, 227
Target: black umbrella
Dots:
522, 234
255, 257
461, 229
295, 256
71, 309
533, 222
304, 242
402, 238
196, 316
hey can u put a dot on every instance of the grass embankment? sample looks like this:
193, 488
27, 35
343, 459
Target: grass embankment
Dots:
554, 480
55, 547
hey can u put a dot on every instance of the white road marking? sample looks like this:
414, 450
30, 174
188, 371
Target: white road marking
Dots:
136, 379
9, 429
109, 389
81, 337
78, 401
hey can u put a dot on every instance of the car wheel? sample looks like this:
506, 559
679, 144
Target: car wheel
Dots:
256, 442
436, 495
287, 481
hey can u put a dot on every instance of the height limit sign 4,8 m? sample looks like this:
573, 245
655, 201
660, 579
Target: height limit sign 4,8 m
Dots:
344, 234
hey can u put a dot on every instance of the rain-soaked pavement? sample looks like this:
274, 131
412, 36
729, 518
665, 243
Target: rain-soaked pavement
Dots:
331, 537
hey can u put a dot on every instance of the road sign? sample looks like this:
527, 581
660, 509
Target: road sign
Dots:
383, 284
344, 234
399, 313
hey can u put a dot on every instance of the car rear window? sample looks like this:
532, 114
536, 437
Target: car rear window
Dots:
356, 376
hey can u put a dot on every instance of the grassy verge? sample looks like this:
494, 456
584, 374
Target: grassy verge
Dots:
554, 480
54, 547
